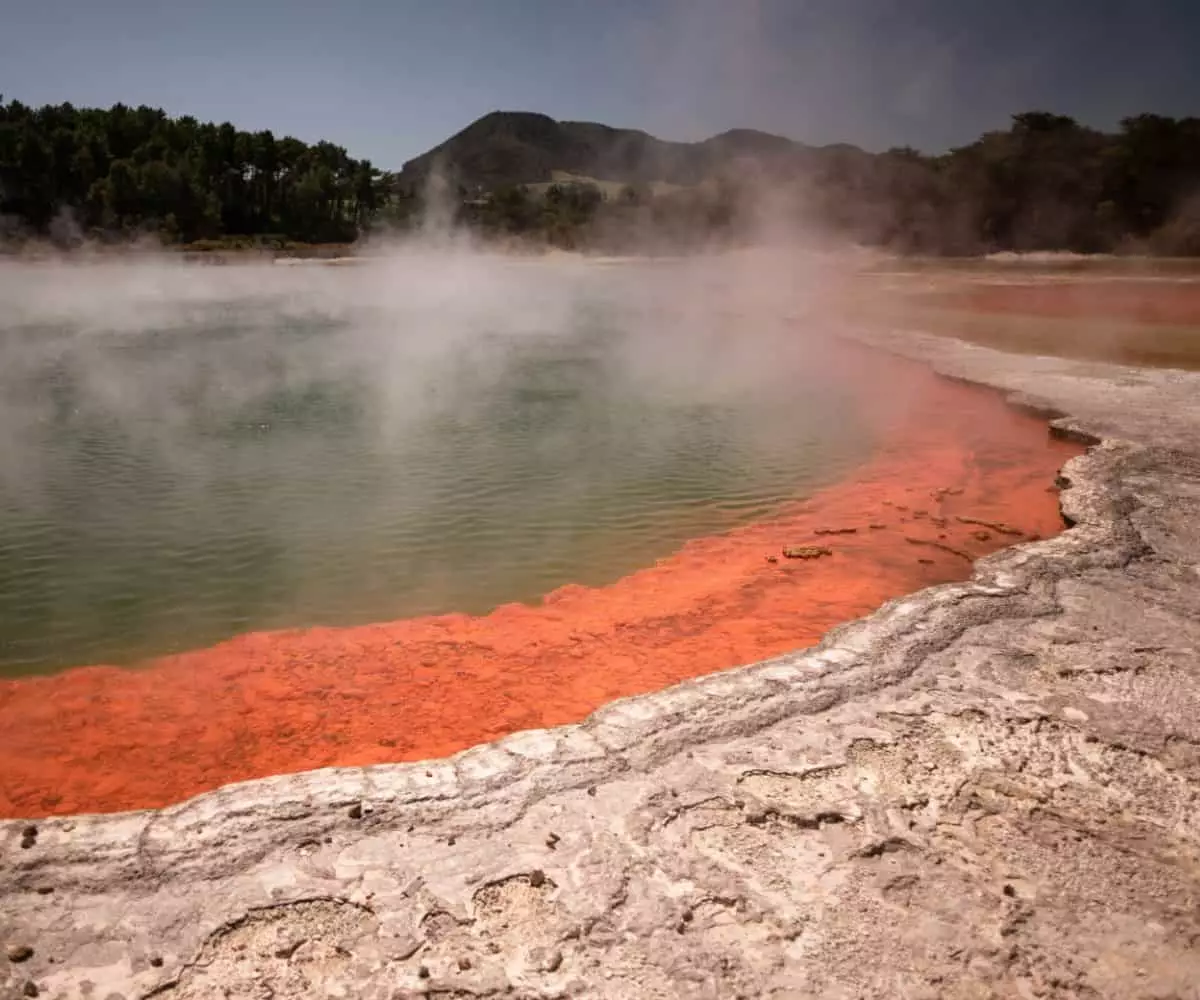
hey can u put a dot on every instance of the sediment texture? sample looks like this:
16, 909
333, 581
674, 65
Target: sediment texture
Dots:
984, 789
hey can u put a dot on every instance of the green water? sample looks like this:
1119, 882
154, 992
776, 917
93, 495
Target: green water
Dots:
186, 454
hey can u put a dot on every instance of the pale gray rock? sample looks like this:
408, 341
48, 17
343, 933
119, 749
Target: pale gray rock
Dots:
983, 789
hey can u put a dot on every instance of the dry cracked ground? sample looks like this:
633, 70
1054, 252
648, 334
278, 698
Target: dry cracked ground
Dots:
984, 790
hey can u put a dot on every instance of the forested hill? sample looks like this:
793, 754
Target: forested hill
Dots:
508, 148
1044, 183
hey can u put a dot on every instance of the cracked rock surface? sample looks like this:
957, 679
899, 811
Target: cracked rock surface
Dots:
983, 789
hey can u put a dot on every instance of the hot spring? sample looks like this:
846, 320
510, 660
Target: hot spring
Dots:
188, 454
257, 518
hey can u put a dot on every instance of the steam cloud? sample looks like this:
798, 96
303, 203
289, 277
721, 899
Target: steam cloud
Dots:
147, 384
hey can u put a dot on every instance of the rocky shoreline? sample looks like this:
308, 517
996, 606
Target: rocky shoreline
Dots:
983, 789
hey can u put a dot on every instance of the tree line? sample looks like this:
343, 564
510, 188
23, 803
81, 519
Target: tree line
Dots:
1045, 183
68, 172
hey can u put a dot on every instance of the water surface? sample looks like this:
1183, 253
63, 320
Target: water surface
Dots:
190, 453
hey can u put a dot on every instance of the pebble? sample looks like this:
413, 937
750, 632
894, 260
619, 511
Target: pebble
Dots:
807, 551
19, 953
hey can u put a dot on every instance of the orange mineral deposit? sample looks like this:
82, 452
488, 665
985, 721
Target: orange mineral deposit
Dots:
102, 738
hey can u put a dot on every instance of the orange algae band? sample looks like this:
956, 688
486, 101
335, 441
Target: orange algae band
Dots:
955, 467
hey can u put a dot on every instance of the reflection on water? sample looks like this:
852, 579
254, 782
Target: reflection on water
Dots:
187, 455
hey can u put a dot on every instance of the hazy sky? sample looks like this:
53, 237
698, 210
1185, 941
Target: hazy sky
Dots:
389, 79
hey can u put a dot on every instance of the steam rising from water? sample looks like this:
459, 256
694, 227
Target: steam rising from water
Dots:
187, 452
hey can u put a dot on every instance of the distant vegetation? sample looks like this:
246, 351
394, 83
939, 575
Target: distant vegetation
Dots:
1046, 183
69, 172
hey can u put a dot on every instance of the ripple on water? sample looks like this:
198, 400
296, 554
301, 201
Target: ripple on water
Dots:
166, 486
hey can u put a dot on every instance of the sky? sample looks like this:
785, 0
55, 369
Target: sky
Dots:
388, 80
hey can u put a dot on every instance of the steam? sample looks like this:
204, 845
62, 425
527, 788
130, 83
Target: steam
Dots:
331, 405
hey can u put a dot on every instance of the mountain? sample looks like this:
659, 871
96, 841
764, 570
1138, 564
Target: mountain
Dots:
520, 147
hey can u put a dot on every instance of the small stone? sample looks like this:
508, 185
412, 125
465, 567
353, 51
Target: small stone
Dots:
687, 916
45, 890
983, 536
877, 526
28, 842
806, 552
552, 840
30, 830
464, 963
423, 972
772, 559
355, 811
156, 961
31, 989
537, 878
553, 961
1009, 891
451, 841
592, 791
19, 953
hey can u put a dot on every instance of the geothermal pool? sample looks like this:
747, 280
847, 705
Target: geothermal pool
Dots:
256, 519
187, 455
